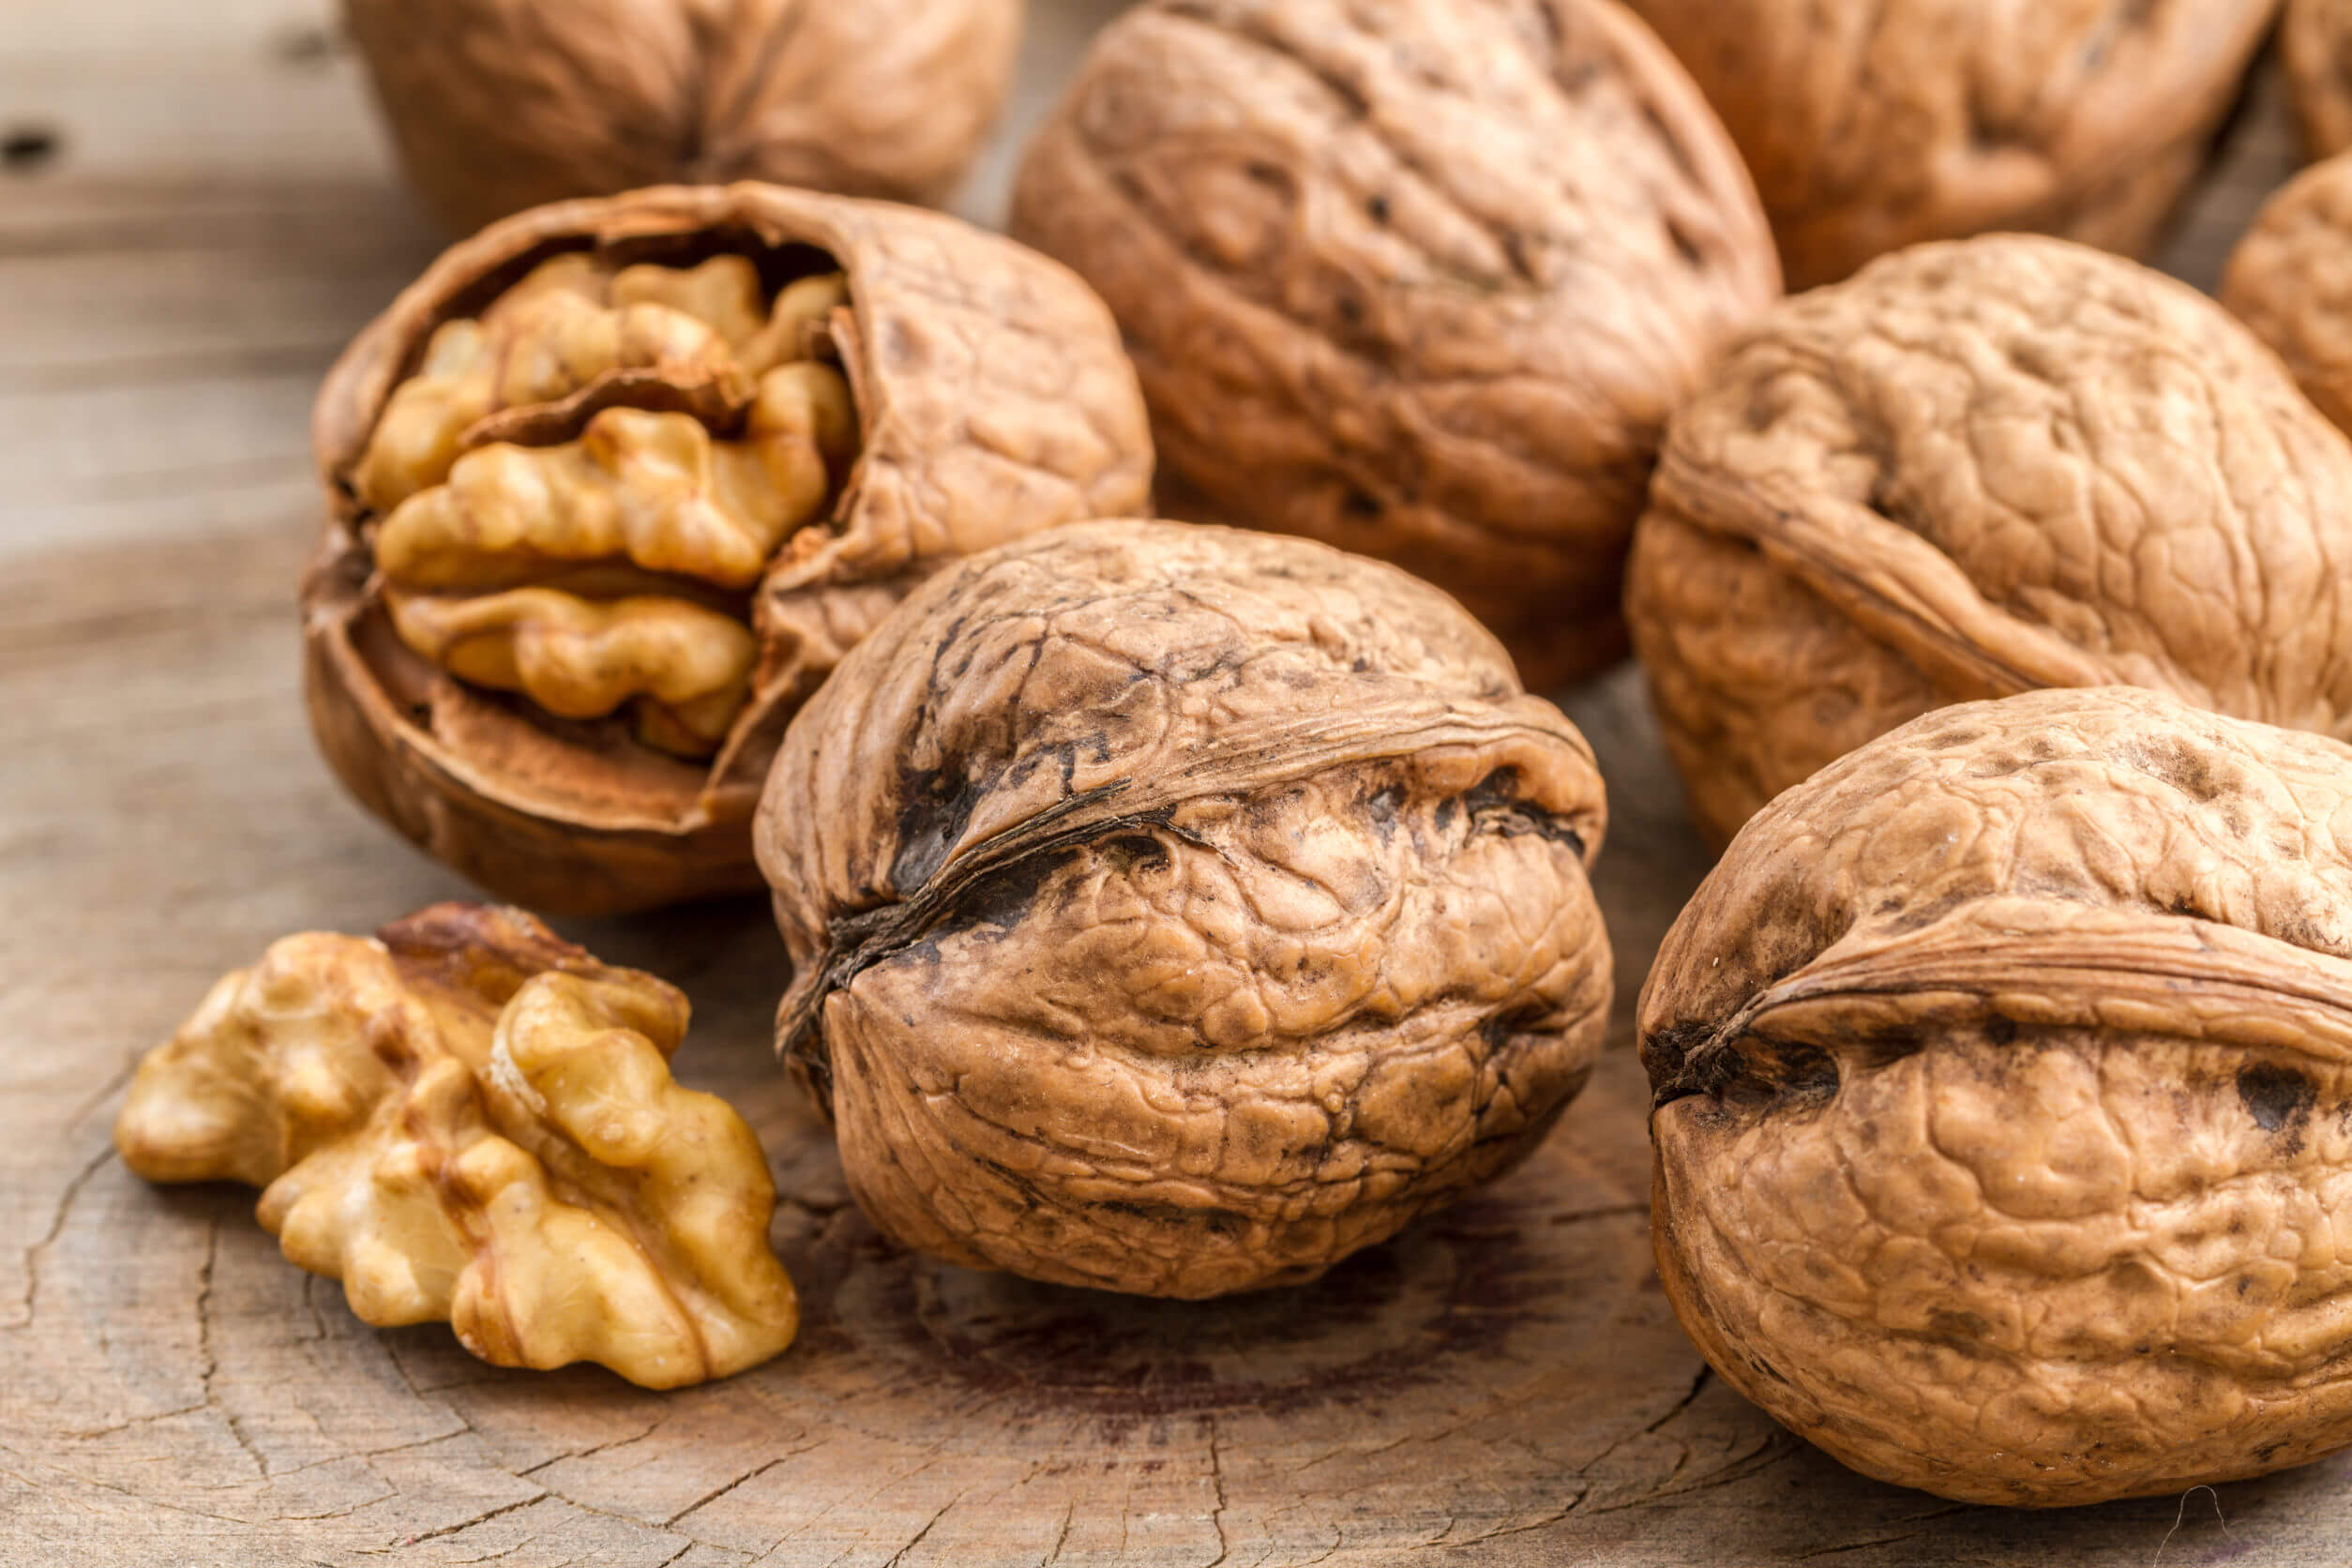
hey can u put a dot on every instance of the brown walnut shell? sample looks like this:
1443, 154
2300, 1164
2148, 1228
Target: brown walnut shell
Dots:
1977, 468
2003, 1118
1177, 910
2315, 38
2290, 279
993, 400
1421, 279
499, 105
1870, 126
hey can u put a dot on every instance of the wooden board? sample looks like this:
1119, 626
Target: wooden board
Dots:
1502, 1384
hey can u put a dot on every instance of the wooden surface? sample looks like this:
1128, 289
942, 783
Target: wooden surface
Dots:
212, 216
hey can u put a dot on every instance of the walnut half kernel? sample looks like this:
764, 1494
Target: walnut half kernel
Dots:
466, 1118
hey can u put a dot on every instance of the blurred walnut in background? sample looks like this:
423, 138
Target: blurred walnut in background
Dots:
1871, 125
499, 105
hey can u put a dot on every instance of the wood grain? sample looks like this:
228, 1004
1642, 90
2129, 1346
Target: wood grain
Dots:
1502, 1384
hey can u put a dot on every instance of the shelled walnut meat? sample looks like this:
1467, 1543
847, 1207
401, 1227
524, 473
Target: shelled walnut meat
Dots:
1177, 911
499, 105
1870, 126
1421, 279
466, 1119
2316, 40
1977, 468
2290, 279
2003, 1119
613, 486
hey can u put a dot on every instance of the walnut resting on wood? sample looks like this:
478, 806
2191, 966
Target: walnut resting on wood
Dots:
1870, 126
1974, 469
613, 486
499, 105
1176, 911
467, 1120
1421, 279
2004, 1120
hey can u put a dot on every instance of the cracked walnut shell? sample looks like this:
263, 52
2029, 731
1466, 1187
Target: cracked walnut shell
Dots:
1420, 279
1176, 910
2003, 1101
613, 486
467, 1119
1870, 126
499, 105
1974, 469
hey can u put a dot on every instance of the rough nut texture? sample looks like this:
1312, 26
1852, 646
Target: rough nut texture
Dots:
1870, 125
1175, 910
2290, 279
466, 1119
2004, 1101
1977, 468
1421, 279
499, 105
613, 486
2316, 40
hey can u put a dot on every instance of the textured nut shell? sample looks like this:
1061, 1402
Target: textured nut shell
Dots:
2290, 279
1420, 279
1175, 910
993, 401
1977, 468
499, 105
1870, 126
2004, 1121
2316, 41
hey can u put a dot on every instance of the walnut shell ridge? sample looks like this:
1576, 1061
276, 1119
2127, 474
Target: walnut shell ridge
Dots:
993, 400
1177, 910
1977, 468
1420, 279
1871, 126
500, 105
2003, 1117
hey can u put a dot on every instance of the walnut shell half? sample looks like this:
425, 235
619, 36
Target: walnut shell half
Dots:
499, 105
601, 515
1421, 279
1977, 468
2003, 1115
467, 1119
1175, 910
1871, 125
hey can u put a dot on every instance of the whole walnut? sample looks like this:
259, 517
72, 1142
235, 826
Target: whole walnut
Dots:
2316, 40
1977, 468
1870, 125
2290, 279
1421, 279
1176, 910
2001, 1101
499, 105
615, 483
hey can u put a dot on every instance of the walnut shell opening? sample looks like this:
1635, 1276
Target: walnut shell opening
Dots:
567, 676
2003, 1119
1177, 911
1421, 280
500, 105
1974, 469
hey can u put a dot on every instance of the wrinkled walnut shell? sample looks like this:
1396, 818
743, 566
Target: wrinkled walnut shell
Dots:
2315, 39
992, 399
499, 105
2290, 279
1870, 126
1421, 280
1176, 911
1975, 469
2003, 1114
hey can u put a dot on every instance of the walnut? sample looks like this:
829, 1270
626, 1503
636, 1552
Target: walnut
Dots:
613, 486
2001, 1108
1976, 468
2290, 281
465, 1118
1870, 126
499, 105
1421, 279
1175, 910
2315, 38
